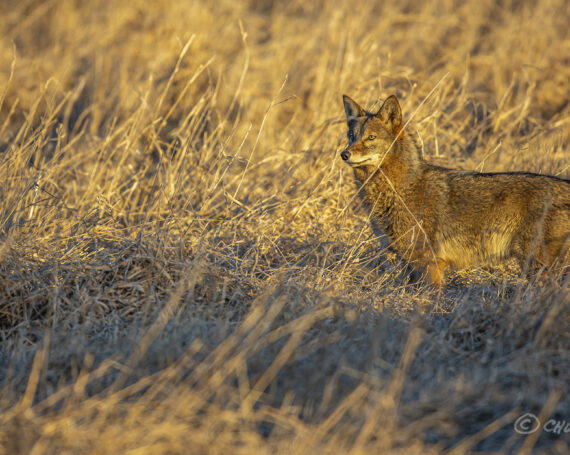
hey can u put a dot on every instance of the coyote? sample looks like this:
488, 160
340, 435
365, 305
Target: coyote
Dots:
439, 218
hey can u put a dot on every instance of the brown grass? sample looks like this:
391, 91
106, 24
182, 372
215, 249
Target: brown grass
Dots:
183, 265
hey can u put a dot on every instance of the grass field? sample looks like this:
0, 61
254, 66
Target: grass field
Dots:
185, 268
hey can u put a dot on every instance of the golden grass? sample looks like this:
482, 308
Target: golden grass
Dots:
184, 267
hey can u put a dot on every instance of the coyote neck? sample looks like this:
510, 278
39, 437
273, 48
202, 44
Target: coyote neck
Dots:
387, 191
390, 201
376, 192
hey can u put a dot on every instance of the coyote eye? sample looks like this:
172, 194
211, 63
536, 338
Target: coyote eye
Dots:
350, 136
371, 137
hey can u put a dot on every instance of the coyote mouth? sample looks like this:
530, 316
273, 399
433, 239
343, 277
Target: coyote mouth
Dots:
358, 163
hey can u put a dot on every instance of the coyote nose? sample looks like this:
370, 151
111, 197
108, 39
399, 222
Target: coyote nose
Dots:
345, 155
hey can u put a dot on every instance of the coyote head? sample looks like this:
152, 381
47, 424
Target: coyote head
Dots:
374, 140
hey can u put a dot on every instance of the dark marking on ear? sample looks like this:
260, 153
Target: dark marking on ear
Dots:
352, 109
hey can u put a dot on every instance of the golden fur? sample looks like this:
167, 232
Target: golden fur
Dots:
437, 217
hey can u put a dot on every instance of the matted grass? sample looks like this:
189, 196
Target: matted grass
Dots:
185, 268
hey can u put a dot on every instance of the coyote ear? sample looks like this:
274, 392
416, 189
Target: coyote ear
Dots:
391, 114
352, 109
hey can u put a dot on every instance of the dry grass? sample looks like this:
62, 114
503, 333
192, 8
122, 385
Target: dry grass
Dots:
183, 265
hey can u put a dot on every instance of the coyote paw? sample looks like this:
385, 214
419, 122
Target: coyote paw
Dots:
436, 272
